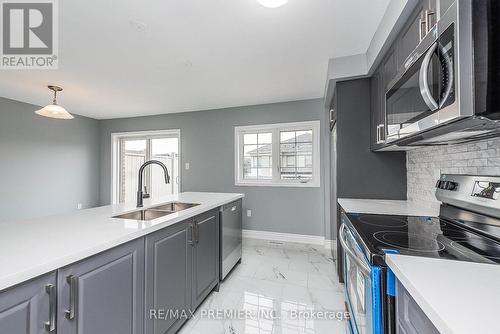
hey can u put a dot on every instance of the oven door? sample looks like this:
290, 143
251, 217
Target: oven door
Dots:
415, 101
362, 287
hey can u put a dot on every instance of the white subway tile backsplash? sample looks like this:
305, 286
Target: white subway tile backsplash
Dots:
425, 165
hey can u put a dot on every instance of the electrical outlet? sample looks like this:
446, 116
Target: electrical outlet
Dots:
187, 165
249, 213
79, 206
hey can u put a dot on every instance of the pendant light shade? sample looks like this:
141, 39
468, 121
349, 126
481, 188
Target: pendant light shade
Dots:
54, 110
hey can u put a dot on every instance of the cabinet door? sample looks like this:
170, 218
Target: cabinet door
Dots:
26, 308
410, 35
389, 69
205, 256
376, 116
104, 293
410, 319
168, 278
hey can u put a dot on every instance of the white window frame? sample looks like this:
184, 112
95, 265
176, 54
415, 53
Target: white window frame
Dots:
276, 181
115, 155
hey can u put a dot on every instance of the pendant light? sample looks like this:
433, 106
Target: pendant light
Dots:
272, 3
54, 110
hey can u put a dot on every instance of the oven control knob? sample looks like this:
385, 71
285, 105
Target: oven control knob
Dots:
451, 185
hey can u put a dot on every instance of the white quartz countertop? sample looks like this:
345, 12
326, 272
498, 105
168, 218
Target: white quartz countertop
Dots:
34, 247
458, 297
388, 207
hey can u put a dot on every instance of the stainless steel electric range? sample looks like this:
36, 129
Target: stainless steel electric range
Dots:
467, 229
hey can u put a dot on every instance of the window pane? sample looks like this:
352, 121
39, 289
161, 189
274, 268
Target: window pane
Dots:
287, 136
264, 161
250, 138
250, 173
304, 148
265, 138
250, 150
165, 150
133, 156
304, 136
296, 154
265, 173
257, 156
304, 173
287, 149
134, 152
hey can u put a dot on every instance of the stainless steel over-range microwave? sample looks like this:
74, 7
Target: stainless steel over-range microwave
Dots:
448, 90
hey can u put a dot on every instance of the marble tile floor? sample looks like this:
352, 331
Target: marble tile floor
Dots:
279, 288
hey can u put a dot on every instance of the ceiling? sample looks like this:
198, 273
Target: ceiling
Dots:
132, 58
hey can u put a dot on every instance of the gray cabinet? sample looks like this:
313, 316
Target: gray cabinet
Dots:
410, 319
104, 293
168, 277
410, 34
377, 115
205, 255
29, 308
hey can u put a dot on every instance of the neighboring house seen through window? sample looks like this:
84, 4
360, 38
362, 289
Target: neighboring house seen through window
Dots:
285, 154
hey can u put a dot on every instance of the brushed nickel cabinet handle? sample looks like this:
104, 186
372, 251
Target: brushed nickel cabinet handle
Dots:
73, 296
191, 235
50, 326
428, 14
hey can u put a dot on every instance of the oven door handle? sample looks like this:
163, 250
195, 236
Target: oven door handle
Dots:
364, 267
423, 80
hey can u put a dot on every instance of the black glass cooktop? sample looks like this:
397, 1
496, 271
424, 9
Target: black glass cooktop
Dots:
422, 236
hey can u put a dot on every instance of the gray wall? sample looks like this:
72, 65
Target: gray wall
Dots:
207, 143
47, 166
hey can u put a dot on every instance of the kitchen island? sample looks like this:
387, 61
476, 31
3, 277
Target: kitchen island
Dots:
88, 272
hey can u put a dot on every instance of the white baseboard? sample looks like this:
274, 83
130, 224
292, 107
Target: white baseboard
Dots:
289, 237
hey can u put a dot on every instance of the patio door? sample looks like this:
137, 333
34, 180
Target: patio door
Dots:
136, 148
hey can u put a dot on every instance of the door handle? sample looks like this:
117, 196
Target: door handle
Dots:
50, 326
191, 235
378, 134
382, 134
195, 235
73, 296
363, 266
423, 80
421, 27
428, 14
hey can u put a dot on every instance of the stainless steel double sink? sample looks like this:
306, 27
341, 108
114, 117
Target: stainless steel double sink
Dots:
156, 211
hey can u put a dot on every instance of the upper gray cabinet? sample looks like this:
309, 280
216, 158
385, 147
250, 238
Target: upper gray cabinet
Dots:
169, 277
29, 308
411, 34
377, 115
422, 19
205, 255
104, 293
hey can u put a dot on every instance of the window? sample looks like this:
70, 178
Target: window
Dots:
131, 150
284, 154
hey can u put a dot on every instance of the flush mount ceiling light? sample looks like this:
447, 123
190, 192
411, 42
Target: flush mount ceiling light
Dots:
53, 110
272, 3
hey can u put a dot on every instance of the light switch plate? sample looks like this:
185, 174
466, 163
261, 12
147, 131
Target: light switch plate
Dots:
249, 213
187, 165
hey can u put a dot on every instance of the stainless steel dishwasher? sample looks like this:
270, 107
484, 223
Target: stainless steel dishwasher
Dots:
231, 236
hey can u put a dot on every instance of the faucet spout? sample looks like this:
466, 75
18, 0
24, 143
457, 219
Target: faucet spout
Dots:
140, 194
